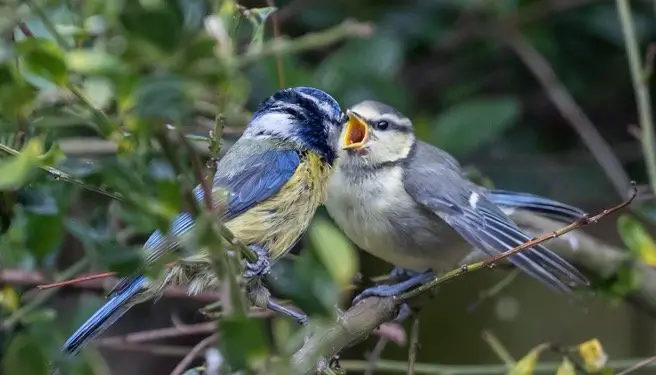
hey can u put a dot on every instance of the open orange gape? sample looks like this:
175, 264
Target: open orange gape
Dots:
356, 133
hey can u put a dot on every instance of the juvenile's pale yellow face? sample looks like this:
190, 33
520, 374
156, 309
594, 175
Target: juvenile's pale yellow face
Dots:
375, 133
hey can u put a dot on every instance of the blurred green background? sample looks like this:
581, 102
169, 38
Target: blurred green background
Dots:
468, 74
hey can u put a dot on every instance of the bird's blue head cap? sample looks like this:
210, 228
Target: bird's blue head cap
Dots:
304, 115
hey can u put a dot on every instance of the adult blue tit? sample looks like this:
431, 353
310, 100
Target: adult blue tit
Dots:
409, 203
276, 175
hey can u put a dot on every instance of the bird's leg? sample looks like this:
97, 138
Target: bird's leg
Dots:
258, 293
260, 267
416, 279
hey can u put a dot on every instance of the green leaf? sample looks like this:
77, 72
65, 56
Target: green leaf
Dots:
470, 124
93, 62
636, 239
25, 356
45, 218
335, 251
163, 97
15, 170
44, 58
242, 341
16, 95
160, 24
258, 17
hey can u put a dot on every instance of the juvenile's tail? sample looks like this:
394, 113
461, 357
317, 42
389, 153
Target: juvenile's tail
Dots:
536, 204
117, 305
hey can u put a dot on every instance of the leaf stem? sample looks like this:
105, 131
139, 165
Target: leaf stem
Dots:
640, 87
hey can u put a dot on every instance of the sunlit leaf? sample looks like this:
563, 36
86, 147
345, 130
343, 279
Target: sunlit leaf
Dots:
526, 365
9, 299
593, 355
470, 124
335, 251
566, 368
15, 170
44, 58
93, 62
636, 239
242, 341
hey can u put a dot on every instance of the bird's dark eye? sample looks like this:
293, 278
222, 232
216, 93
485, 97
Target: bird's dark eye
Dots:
382, 125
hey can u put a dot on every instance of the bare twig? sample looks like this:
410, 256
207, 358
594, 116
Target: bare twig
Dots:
161, 350
494, 290
344, 30
43, 297
498, 349
570, 110
21, 277
63, 176
195, 352
276, 34
641, 88
638, 366
374, 357
414, 346
161, 333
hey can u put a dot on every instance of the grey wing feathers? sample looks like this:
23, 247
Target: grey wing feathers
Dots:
441, 189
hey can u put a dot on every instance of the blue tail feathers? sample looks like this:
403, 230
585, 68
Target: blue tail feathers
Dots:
537, 204
112, 310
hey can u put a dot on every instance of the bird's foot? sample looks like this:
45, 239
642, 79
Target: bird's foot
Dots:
260, 267
384, 291
299, 317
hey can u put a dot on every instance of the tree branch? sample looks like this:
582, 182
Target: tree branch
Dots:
602, 261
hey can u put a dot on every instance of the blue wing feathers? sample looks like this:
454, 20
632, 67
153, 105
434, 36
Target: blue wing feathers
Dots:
104, 317
261, 177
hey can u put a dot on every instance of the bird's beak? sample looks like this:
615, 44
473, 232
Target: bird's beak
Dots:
356, 133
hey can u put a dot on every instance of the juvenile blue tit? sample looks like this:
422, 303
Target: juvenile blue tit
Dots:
276, 174
408, 203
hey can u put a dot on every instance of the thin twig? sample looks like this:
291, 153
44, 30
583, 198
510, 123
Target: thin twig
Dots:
494, 290
195, 352
308, 41
526, 245
414, 346
570, 110
65, 177
641, 88
276, 35
498, 349
374, 357
22, 277
161, 350
638, 366
44, 296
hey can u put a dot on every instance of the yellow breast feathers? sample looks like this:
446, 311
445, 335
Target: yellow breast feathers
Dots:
278, 222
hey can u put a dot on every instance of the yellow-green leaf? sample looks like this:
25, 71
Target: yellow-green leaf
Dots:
566, 368
593, 355
335, 251
44, 58
15, 170
93, 62
636, 239
526, 365
9, 299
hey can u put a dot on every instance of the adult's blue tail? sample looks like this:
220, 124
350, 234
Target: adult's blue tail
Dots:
537, 204
103, 318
